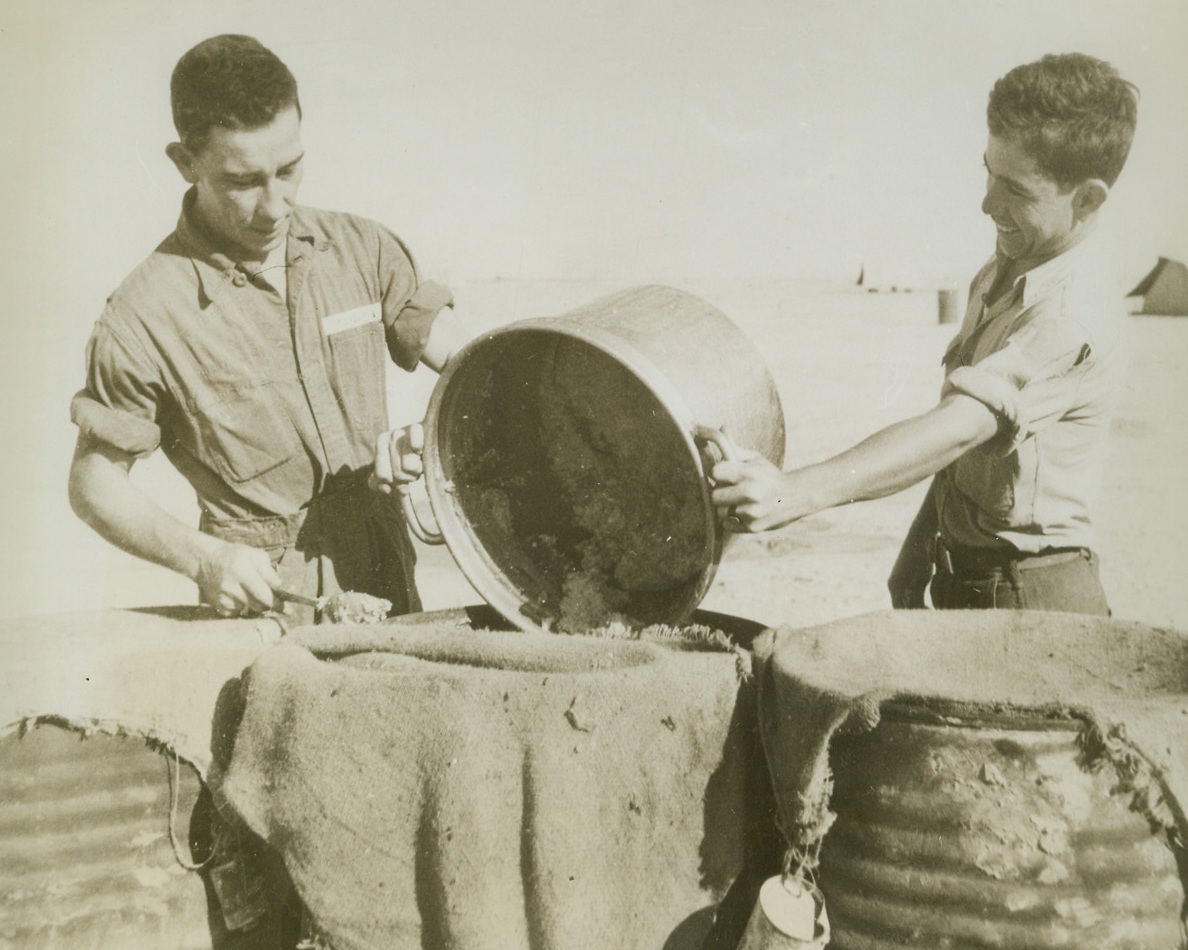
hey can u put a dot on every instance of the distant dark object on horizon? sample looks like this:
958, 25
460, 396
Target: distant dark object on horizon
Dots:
873, 288
1164, 290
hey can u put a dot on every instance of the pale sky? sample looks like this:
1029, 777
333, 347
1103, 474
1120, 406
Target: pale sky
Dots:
657, 139
627, 140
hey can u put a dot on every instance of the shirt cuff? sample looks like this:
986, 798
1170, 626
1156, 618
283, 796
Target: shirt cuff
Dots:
128, 433
997, 395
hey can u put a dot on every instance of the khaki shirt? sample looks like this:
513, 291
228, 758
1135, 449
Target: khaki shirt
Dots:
261, 403
1046, 359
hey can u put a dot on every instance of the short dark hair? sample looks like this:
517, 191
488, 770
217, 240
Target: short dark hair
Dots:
1073, 113
230, 81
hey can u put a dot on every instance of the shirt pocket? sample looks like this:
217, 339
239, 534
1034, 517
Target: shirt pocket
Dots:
245, 431
358, 360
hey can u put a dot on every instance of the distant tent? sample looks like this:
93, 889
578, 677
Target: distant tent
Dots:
1164, 290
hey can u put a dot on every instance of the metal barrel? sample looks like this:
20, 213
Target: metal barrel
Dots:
978, 834
85, 856
561, 461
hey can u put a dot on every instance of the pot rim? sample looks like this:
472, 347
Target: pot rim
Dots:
473, 559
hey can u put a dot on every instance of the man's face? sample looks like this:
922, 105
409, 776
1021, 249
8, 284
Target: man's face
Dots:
1036, 218
247, 183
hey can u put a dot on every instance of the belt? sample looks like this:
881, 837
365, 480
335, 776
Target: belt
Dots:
955, 559
342, 497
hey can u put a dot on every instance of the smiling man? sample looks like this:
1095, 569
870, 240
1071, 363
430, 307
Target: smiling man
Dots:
1018, 439
251, 348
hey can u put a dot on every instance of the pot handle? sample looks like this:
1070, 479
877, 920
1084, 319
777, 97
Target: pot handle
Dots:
411, 515
725, 446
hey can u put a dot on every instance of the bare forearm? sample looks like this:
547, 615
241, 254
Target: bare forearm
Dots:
891, 460
102, 495
760, 497
235, 579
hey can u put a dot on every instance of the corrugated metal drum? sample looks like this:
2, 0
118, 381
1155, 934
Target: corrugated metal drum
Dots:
990, 833
85, 858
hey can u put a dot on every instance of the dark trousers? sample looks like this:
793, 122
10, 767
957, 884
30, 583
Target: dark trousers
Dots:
1067, 582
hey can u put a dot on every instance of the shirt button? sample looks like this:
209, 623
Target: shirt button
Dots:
238, 279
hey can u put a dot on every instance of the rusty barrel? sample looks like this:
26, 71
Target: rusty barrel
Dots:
561, 461
989, 832
85, 856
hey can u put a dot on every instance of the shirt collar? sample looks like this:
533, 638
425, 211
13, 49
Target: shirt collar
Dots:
1040, 281
213, 267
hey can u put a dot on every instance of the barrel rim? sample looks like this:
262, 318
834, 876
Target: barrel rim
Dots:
976, 715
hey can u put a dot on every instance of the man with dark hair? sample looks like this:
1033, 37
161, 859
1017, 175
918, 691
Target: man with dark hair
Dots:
230, 82
250, 347
1017, 441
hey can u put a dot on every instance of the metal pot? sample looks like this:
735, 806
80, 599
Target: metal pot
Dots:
563, 461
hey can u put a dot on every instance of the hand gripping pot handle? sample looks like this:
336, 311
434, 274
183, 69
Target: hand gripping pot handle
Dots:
716, 437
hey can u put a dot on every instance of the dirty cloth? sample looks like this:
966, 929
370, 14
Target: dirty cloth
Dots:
156, 673
462, 788
1127, 680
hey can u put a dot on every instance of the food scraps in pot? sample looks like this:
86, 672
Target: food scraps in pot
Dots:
352, 607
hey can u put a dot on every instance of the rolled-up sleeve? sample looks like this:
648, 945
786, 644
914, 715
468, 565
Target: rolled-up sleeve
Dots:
409, 305
409, 330
119, 404
1032, 381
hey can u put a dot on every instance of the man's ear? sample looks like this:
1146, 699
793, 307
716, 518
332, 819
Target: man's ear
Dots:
1091, 195
183, 158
